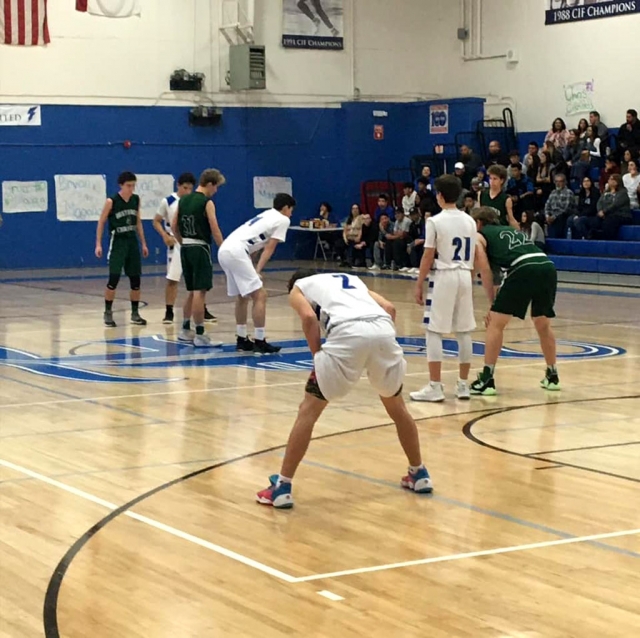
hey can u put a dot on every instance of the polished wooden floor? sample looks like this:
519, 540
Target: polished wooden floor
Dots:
127, 508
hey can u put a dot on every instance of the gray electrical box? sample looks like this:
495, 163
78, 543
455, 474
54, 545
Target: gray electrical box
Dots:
247, 67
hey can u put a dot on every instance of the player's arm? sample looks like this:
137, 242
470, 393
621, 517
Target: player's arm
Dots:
267, 253
143, 241
104, 216
481, 265
161, 215
428, 257
512, 220
175, 226
310, 325
213, 223
385, 304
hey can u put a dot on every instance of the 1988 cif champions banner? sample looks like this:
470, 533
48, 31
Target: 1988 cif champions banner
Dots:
313, 24
563, 11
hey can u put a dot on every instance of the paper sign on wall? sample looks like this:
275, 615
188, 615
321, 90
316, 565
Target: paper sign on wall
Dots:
20, 115
25, 197
266, 188
152, 189
80, 198
579, 97
438, 119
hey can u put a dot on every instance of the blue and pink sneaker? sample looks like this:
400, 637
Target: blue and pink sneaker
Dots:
279, 496
419, 482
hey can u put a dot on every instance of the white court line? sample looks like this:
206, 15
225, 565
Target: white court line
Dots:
486, 552
330, 595
153, 523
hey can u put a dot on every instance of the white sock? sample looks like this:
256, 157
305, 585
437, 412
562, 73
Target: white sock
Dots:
414, 470
259, 333
282, 479
241, 331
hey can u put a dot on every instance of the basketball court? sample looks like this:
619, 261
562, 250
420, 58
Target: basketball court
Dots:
129, 465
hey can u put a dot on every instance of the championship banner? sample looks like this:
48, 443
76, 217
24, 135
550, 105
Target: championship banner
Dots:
313, 24
563, 11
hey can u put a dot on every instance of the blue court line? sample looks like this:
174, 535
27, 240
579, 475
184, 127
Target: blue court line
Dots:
73, 396
473, 508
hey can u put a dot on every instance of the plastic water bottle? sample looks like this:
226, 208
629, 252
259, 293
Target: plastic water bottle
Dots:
569, 233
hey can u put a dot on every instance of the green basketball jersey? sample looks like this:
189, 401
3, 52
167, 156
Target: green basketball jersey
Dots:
193, 222
123, 217
499, 203
509, 248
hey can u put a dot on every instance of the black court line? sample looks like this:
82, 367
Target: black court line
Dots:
50, 609
548, 467
539, 456
586, 447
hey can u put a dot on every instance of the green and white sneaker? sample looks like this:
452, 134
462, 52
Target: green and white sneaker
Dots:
484, 385
551, 381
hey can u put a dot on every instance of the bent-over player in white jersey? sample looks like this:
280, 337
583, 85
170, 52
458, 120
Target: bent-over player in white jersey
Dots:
361, 335
244, 280
167, 210
450, 246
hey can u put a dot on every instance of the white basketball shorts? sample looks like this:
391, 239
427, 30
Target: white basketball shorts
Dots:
242, 278
355, 347
174, 263
449, 304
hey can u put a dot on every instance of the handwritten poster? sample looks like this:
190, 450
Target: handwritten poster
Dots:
80, 198
25, 197
152, 189
266, 188
579, 97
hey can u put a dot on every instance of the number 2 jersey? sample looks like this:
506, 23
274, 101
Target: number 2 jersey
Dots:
338, 299
253, 235
509, 248
453, 234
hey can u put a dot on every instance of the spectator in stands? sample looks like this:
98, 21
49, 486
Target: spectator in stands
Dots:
461, 173
514, 158
599, 127
558, 134
559, 208
384, 208
471, 160
427, 203
329, 220
532, 161
477, 186
573, 158
426, 174
379, 254
582, 129
409, 198
415, 247
631, 182
614, 210
593, 144
624, 165
396, 243
556, 156
369, 235
587, 208
350, 246
520, 187
481, 176
421, 185
470, 202
543, 180
497, 155
610, 168
532, 229
629, 134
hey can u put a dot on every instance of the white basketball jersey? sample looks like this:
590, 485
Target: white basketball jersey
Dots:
453, 234
168, 209
254, 234
337, 298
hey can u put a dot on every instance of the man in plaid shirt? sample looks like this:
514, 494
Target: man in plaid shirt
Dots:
559, 207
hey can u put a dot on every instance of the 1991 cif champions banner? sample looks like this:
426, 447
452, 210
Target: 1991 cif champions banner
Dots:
313, 24
563, 11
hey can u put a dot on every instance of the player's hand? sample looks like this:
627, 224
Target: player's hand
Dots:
145, 251
600, 213
98, 252
419, 295
169, 241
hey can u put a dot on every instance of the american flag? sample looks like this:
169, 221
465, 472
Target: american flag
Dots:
24, 22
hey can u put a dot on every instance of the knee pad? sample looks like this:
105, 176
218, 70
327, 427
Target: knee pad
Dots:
112, 284
135, 282
465, 347
434, 346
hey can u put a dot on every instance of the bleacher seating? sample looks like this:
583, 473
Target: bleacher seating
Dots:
599, 265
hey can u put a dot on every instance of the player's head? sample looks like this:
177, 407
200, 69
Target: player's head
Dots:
449, 189
127, 182
284, 203
301, 273
210, 180
486, 216
186, 184
497, 176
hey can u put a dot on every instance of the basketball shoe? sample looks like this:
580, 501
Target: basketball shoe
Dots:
419, 482
278, 496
